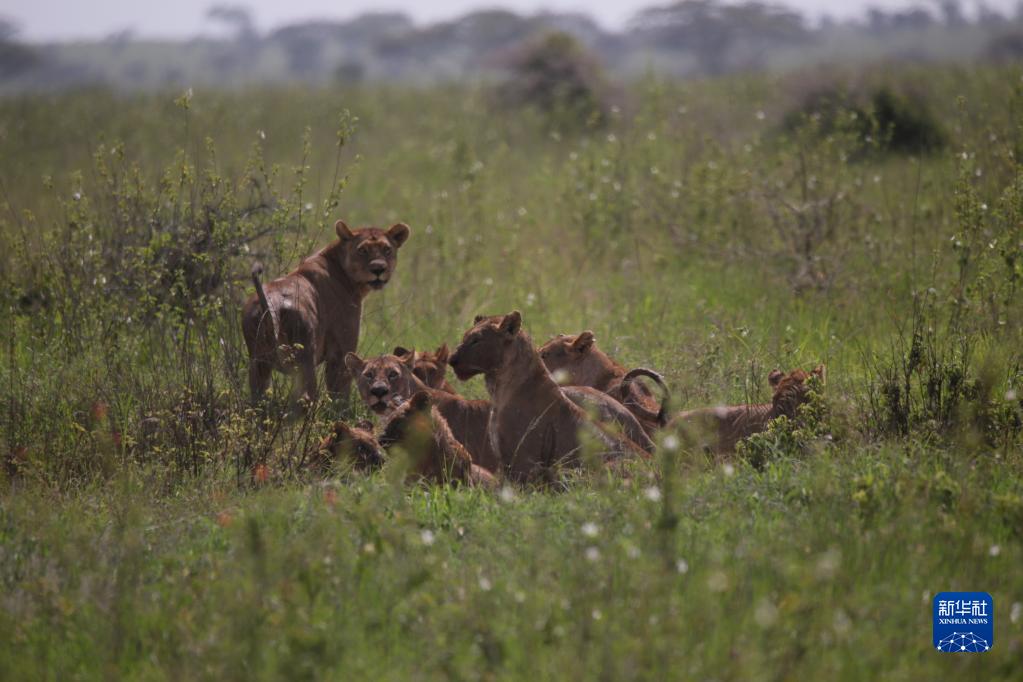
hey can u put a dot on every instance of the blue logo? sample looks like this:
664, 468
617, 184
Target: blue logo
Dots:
964, 622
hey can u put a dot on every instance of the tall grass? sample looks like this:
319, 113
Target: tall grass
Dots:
695, 232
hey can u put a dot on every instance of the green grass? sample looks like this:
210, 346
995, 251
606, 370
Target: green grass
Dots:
134, 544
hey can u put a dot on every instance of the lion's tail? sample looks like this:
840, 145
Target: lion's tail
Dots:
257, 270
662, 414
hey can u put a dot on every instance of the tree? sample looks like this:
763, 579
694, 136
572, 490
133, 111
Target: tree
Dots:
15, 58
237, 17
711, 31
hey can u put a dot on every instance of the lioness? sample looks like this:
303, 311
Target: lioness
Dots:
431, 368
421, 431
721, 428
312, 315
533, 426
588, 365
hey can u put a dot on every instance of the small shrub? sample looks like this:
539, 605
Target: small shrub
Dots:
901, 124
787, 438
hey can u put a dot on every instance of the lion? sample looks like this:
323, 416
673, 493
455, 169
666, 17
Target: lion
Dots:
534, 427
419, 428
312, 315
355, 444
431, 368
387, 381
587, 365
723, 427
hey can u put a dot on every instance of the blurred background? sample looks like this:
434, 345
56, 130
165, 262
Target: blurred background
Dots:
53, 44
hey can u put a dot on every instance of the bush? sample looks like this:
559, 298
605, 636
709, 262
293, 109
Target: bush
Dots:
785, 438
558, 77
895, 122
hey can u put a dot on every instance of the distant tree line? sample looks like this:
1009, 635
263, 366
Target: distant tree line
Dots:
690, 37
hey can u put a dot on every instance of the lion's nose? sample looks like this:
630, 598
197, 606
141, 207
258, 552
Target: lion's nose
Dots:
378, 267
454, 360
379, 390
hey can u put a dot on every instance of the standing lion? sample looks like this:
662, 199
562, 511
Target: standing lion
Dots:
312, 315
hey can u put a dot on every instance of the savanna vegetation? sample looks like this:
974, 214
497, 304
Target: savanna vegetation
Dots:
153, 525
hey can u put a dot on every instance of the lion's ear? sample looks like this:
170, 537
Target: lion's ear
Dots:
419, 400
409, 360
479, 318
442, 353
365, 425
354, 363
775, 377
399, 233
401, 351
821, 372
583, 342
511, 323
344, 233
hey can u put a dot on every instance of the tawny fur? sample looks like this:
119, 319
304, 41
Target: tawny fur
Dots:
720, 429
533, 426
419, 428
354, 444
312, 315
587, 365
431, 368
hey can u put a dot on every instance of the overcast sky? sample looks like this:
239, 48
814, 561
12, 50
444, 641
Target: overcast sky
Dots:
42, 20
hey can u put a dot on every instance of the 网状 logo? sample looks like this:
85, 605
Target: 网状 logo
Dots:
964, 622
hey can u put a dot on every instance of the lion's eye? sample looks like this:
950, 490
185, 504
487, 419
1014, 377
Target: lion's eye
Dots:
363, 251
386, 251
368, 374
392, 375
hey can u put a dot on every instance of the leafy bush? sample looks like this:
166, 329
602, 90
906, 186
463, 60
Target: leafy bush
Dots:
900, 124
787, 438
556, 75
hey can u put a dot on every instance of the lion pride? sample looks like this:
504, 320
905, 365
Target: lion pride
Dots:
312, 315
534, 427
387, 381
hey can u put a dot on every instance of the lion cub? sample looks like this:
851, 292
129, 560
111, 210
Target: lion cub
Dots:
587, 365
424, 434
723, 427
312, 315
534, 427
354, 444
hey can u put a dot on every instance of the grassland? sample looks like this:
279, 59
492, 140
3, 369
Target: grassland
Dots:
695, 233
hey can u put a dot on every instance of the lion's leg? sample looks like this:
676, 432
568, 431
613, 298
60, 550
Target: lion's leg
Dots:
259, 378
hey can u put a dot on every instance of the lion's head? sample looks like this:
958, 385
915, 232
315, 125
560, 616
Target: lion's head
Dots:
793, 389
430, 368
384, 381
369, 254
483, 346
578, 357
